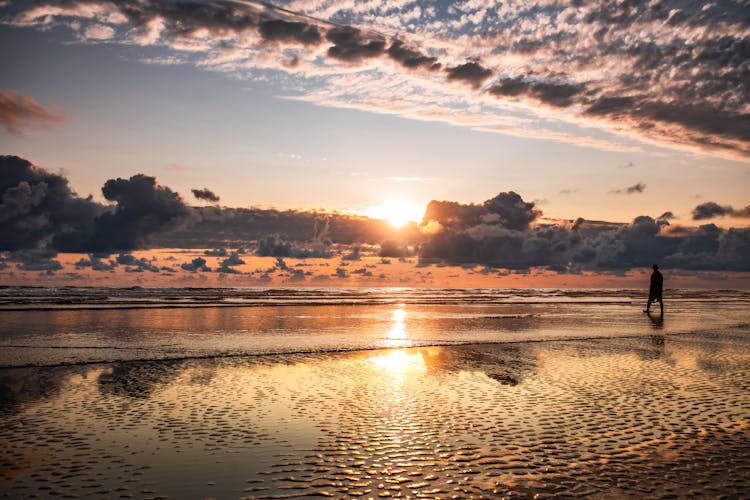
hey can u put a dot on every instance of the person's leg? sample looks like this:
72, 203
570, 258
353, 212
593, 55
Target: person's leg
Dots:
661, 307
648, 305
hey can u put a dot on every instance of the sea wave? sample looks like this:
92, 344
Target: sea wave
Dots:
44, 298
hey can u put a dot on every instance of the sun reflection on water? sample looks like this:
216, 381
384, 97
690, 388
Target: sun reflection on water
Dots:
399, 364
397, 336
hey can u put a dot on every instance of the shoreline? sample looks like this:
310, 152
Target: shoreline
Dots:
740, 328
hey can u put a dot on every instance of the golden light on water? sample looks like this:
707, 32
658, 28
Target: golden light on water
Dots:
398, 328
399, 364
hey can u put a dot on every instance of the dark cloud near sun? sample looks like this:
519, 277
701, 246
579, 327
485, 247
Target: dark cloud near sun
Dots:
205, 194
18, 111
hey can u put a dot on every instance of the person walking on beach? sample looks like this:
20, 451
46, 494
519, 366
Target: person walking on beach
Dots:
655, 290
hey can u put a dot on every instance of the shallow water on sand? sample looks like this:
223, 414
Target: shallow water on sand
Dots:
650, 416
65, 336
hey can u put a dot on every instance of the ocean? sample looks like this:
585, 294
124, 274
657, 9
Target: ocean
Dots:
373, 392
68, 325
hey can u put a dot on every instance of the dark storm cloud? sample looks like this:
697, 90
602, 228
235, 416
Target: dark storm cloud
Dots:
18, 111
472, 73
710, 210
352, 45
142, 207
38, 208
205, 194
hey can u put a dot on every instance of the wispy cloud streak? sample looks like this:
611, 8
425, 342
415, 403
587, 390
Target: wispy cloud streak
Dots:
18, 111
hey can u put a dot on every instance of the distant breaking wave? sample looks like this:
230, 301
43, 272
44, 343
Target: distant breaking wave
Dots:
40, 298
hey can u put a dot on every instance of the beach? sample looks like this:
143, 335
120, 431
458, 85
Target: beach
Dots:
522, 400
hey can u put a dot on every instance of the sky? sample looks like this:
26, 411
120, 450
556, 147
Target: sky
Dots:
509, 144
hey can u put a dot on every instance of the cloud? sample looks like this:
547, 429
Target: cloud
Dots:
97, 263
40, 216
638, 187
352, 45
290, 32
227, 265
143, 207
18, 111
504, 233
560, 95
392, 248
511, 210
271, 247
411, 58
39, 209
472, 73
205, 194
135, 265
36, 260
197, 264
710, 210
653, 72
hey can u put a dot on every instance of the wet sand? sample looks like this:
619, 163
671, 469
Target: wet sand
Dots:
658, 416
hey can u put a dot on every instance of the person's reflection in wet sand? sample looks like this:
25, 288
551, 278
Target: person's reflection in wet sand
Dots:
657, 322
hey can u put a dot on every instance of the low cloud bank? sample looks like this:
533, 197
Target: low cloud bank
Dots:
40, 215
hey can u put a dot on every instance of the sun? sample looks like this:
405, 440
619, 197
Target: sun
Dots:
397, 213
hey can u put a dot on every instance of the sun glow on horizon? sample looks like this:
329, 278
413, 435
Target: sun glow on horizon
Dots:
396, 213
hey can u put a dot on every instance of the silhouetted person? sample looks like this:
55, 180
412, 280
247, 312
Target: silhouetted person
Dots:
655, 290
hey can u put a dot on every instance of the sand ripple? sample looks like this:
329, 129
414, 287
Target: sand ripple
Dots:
657, 417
